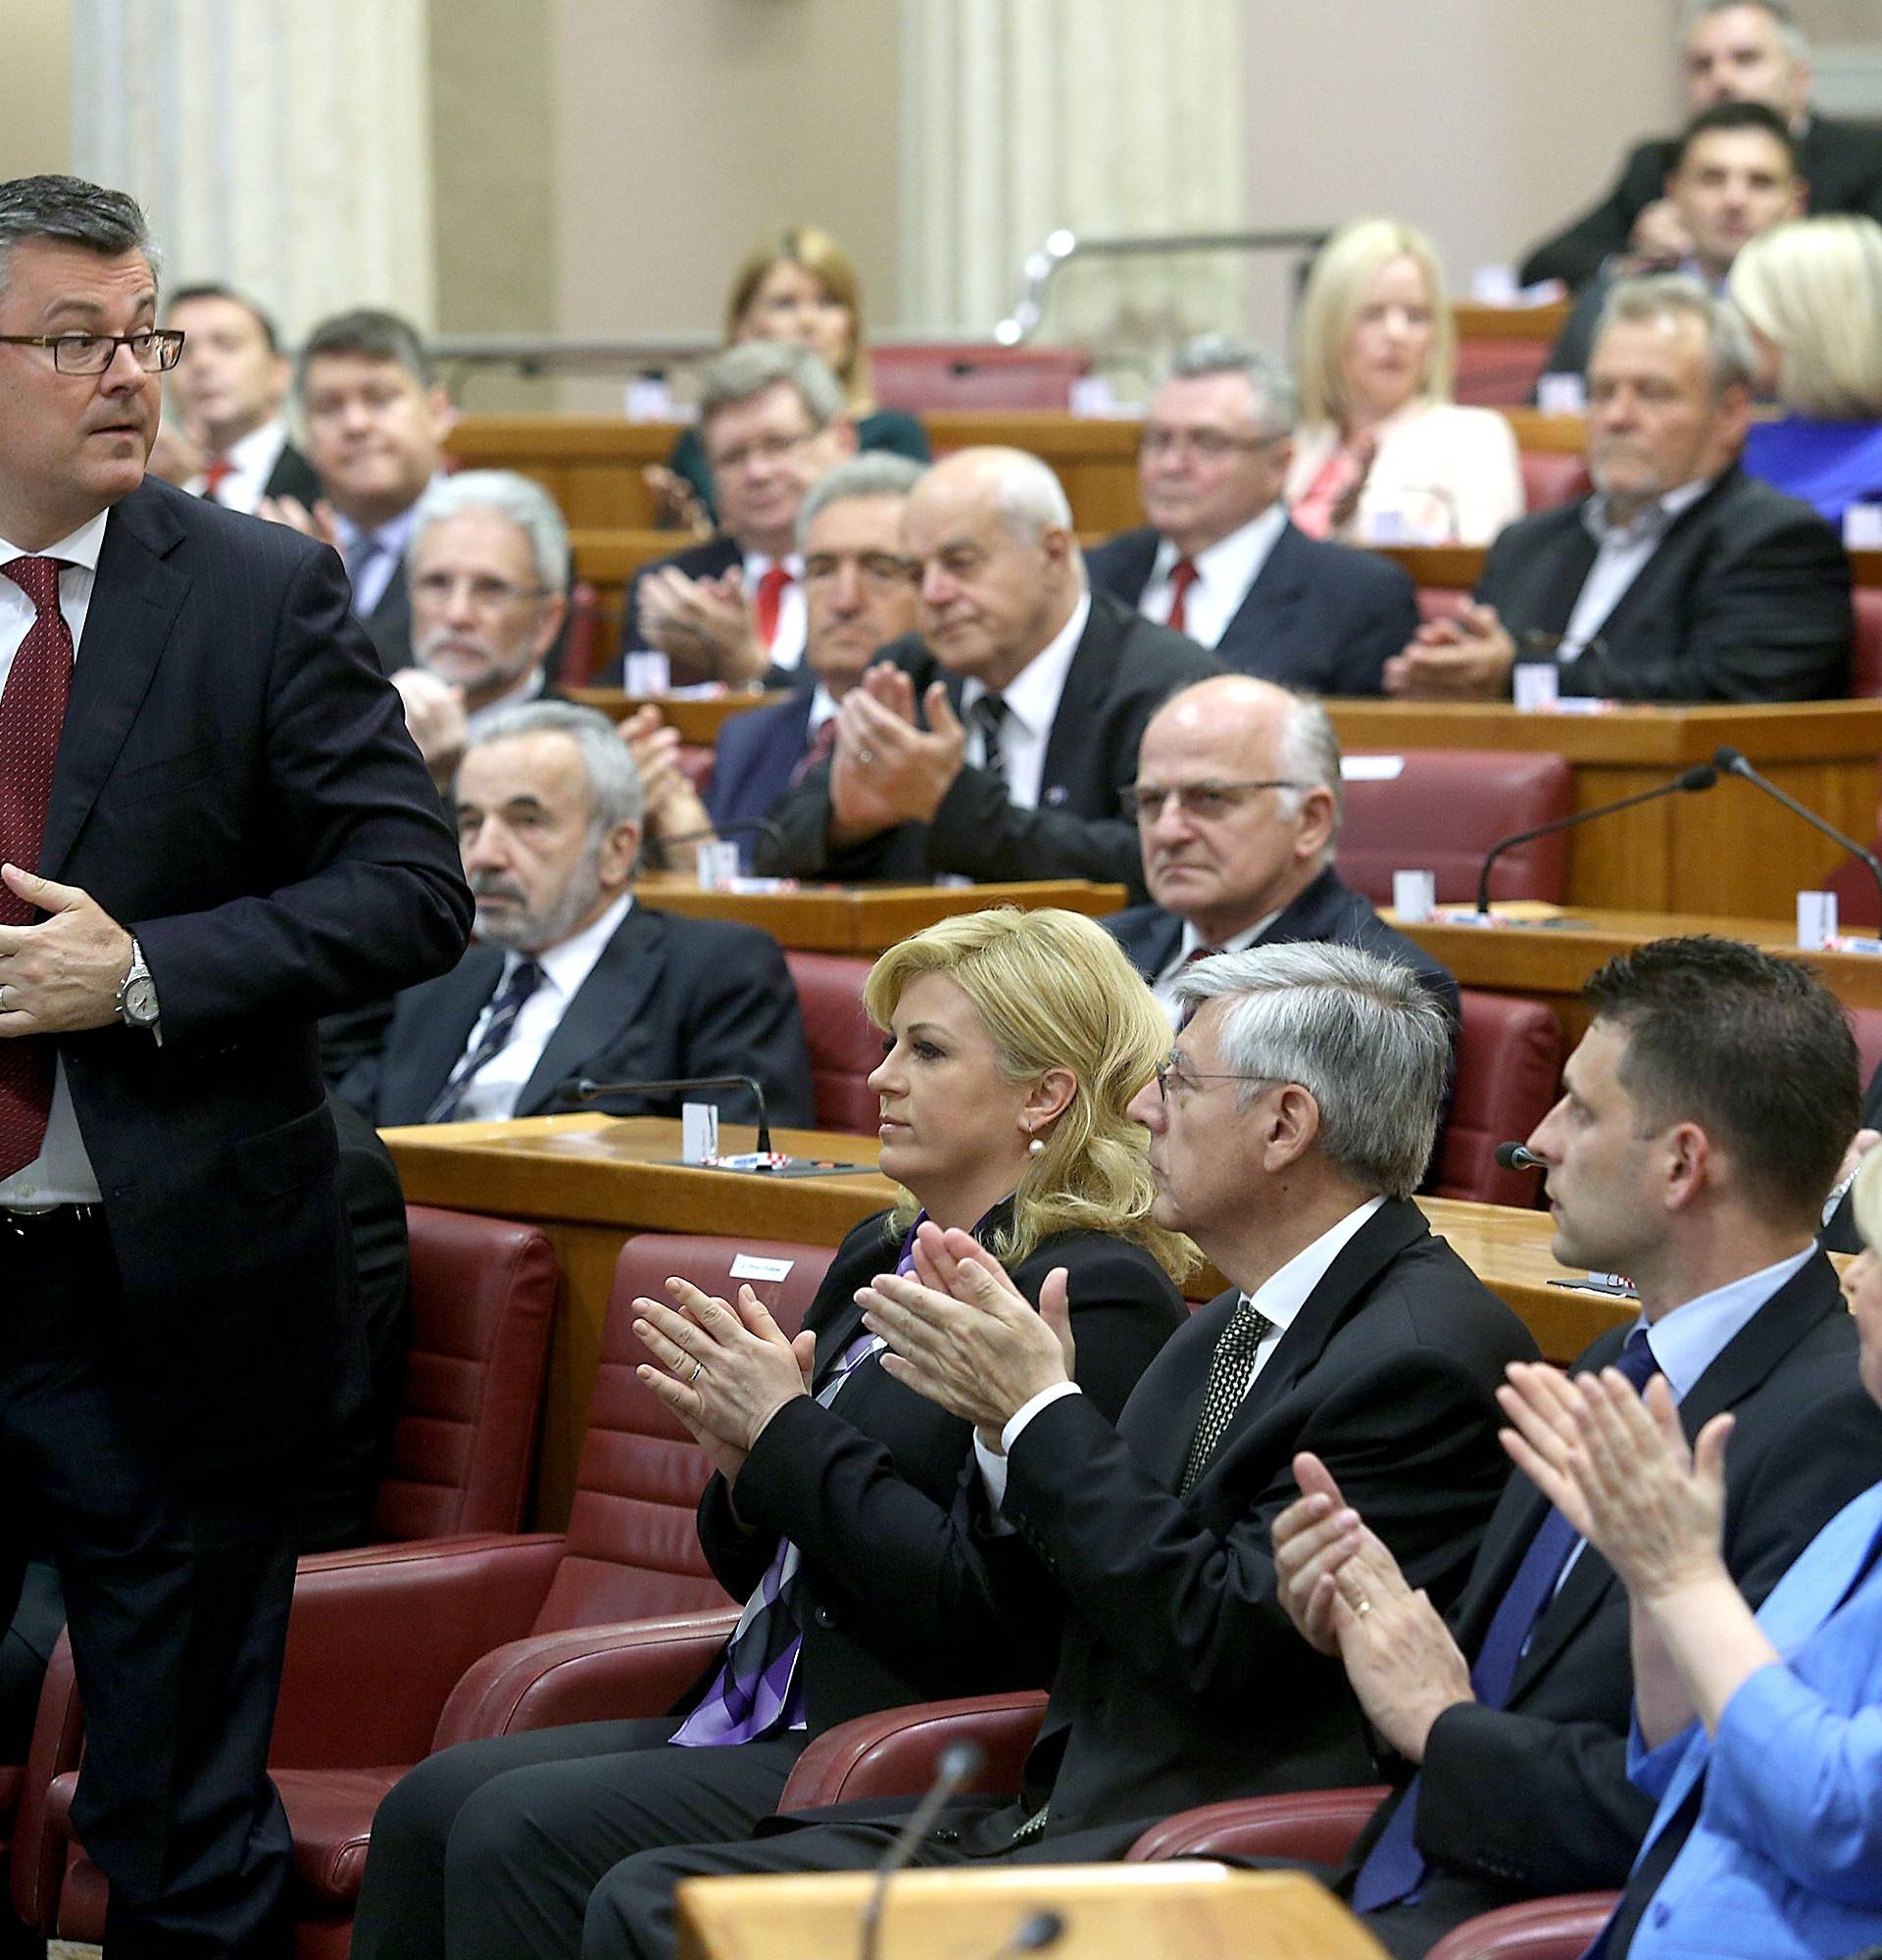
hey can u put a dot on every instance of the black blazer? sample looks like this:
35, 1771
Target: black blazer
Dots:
753, 762
1123, 670
901, 1602
293, 476
1498, 1782
1841, 161
1320, 617
1746, 599
235, 785
389, 623
669, 997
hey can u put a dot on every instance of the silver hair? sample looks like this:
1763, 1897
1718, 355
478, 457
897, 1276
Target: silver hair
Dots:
614, 782
525, 503
1278, 402
1028, 497
1309, 753
743, 373
1797, 43
1360, 1034
1651, 296
875, 473
71, 211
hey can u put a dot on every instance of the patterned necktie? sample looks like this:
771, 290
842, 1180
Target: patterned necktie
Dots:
33, 710
361, 554
989, 716
216, 473
822, 744
1230, 1370
1182, 576
1393, 1868
770, 601
525, 978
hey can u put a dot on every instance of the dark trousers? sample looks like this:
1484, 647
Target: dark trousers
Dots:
489, 1851
176, 1592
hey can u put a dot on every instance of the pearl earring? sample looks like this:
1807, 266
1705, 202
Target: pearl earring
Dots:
1035, 1148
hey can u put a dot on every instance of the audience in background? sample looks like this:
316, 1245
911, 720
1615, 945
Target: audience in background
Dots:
1679, 579
1384, 456
1812, 295
1219, 561
1032, 696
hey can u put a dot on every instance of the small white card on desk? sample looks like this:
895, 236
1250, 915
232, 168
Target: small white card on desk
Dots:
647, 672
1815, 921
698, 1132
1562, 394
717, 864
648, 399
1536, 687
1372, 768
1862, 526
749, 1266
1414, 894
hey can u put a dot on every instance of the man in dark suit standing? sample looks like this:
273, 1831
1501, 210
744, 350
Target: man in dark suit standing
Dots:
1679, 579
1701, 1122
1736, 51
231, 834
1238, 801
1033, 692
1220, 561
572, 977
1179, 1679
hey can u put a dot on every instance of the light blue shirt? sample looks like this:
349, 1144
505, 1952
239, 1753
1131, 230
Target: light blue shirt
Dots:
1687, 1340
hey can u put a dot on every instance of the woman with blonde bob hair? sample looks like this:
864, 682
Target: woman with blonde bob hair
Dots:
1014, 1043
1383, 455
1810, 292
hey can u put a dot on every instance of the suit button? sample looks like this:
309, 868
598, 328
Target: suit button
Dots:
824, 1617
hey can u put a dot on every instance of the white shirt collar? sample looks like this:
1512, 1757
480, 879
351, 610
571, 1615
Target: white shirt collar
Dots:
253, 453
1652, 520
1033, 695
1234, 562
758, 564
80, 547
823, 708
568, 964
1281, 1295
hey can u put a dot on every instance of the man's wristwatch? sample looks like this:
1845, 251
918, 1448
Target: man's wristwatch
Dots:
137, 996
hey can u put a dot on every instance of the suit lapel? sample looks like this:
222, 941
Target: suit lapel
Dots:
440, 1017
1269, 605
1670, 560
1073, 775
606, 1005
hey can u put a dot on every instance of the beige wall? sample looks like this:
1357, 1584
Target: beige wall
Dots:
36, 87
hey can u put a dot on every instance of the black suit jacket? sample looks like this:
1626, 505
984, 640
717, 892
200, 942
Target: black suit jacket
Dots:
236, 787
293, 476
900, 1599
1320, 617
669, 997
1841, 161
1498, 1783
389, 623
1123, 670
710, 558
1747, 598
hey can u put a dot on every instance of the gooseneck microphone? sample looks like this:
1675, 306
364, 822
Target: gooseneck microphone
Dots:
1701, 776
584, 1089
1733, 762
754, 826
958, 1761
1519, 1156
1033, 1934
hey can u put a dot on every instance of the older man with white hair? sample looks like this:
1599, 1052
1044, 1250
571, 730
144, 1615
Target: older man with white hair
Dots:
996, 742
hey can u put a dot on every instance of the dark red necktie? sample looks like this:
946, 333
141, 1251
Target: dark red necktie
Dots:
771, 598
1182, 576
216, 473
32, 710
822, 747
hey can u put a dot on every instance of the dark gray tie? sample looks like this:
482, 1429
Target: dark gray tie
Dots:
1229, 1369
989, 716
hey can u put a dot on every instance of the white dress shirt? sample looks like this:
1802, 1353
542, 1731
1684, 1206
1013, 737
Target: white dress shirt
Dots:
1165, 984
788, 642
371, 575
491, 1093
1225, 572
1032, 705
1621, 555
61, 1172
251, 462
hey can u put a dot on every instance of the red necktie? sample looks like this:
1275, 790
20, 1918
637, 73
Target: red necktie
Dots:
32, 710
822, 744
771, 597
1182, 576
216, 473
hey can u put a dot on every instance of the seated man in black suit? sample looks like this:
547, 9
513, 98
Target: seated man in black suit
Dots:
1701, 1122
1238, 801
1348, 1325
225, 435
570, 976
1735, 51
1679, 579
1033, 696
771, 421
1219, 561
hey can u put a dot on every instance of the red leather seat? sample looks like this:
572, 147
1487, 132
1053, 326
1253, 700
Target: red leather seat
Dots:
580, 636
845, 1044
1551, 479
1509, 1074
895, 1752
1865, 1025
1499, 374
1859, 909
1544, 1929
1444, 810
973, 376
1318, 1825
1865, 660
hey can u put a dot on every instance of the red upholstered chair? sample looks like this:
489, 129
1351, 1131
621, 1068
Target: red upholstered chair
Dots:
1508, 1072
1498, 373
894, 1753
1318, 1825
1865, 1025
844, 1044
580, 636
1551, 479
969, 376
1544, 1929
1443, 811
401, 1649
1853, 883
1865, 662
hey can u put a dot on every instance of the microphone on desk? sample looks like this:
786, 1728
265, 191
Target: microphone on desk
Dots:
584, 1089
1033, 1934
1734, 763
756, 826
958, 1762
1701, 776
1519, 1156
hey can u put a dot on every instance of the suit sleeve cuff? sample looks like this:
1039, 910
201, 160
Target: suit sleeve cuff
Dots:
1017, 1423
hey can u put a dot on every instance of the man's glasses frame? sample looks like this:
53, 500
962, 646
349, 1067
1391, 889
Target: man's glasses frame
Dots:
1174, 1071
1143, 803
154, 349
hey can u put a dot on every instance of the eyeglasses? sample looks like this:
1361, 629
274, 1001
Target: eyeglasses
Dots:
880, 569
440, 588
1174, 1073
761, 448
1205, 445
156, 350
1143, 803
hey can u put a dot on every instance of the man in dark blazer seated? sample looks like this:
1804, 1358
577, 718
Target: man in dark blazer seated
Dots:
1033, 692
1219, 561
232, 835
1680, 579
572, 977
1179, 1679
1735, 51
1702, 1116
1238, 801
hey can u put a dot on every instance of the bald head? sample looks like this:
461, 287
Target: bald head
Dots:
1219, 851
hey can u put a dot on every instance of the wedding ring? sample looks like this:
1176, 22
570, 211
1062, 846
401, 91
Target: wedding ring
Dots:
866, 757
699, 1368
3, 1000
1363, 1608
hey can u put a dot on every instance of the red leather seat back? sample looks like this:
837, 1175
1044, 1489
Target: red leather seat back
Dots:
1508, 1075
894, 1752
1853, 883
844, 1044
1316, 1825
1499, 374
580, 636
483, 1293
972, 375
1551, 478
1544, 1929
1865, 660
1444, 810
1865, 1025
634, 1551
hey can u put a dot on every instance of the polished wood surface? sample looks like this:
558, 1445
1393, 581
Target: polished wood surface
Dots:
1475, 322
699, 718
1458, 567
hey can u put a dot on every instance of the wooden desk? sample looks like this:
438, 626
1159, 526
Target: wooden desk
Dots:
592, 1181
1730, 850
699, 718
866, 920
